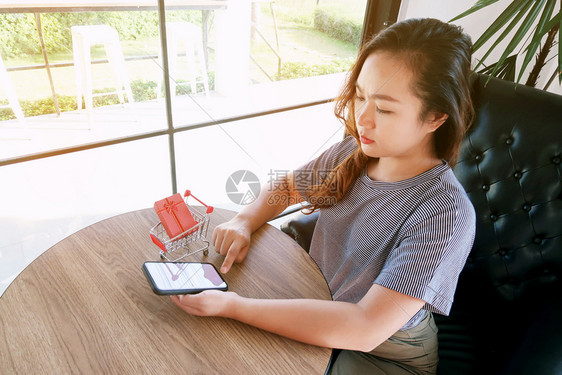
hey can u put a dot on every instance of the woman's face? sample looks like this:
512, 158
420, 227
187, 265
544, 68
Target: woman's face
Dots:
387, 113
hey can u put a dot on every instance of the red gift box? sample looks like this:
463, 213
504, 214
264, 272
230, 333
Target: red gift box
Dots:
174, 215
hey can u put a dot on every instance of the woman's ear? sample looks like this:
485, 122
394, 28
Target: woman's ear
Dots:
435, 119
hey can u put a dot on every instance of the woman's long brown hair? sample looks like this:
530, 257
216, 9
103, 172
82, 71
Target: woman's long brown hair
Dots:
439, 56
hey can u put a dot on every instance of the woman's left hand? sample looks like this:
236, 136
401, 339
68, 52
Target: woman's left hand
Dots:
207, 303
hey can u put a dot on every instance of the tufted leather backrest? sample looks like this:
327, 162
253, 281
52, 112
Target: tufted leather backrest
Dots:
510, 168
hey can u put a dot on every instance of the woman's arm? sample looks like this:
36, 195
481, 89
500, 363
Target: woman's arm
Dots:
362, 326
232, 239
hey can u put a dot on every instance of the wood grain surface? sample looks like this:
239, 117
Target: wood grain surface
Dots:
84, 306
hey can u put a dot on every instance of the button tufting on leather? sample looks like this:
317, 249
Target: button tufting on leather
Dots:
518, 230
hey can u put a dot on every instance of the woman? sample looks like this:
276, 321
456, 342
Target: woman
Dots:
395, 226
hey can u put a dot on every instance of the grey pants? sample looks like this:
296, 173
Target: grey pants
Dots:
413, 351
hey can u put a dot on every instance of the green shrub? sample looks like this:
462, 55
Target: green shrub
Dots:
292, 17
142, 91
39, 107
333, 23
19, 36
296, 12
291, 70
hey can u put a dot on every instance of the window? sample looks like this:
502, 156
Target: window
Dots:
270, 68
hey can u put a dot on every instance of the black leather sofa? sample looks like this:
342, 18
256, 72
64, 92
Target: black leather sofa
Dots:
507, 314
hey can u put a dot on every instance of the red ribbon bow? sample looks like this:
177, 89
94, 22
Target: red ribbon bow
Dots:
169, 207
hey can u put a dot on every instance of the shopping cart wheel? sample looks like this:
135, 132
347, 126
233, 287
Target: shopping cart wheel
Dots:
206, 252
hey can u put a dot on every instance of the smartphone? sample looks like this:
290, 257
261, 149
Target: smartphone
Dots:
182, 277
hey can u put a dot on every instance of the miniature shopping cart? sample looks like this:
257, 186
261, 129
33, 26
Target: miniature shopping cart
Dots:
192, 240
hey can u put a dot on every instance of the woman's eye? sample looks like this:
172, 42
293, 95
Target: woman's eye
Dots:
359, 98
382, 111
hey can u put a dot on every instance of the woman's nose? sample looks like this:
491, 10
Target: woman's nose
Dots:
364, 115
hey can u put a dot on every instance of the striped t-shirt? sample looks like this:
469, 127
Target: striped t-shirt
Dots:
412, 236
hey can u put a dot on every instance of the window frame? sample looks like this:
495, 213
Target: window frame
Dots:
378, 14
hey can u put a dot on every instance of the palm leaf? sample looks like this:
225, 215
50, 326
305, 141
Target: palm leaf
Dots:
539, 33
505, 70
517, 6
524, 28
479, 5
520, 13
518, 18
560, 45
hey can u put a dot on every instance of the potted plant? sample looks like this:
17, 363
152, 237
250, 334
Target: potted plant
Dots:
536, 24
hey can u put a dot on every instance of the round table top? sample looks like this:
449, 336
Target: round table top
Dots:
85, 306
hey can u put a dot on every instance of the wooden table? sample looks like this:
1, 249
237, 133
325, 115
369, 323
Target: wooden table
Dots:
84, 306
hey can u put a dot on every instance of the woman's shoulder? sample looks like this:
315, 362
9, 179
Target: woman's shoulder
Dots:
333, 155
343, 148
449, 195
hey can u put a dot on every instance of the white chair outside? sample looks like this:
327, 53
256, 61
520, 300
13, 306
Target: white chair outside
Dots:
9, 92
191, 37
83, 38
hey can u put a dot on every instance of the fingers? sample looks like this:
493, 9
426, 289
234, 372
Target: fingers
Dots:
223, 240
231, 256
232, 243
177, 300
206, 303
218, 237
185, 302
228, 260
242, 254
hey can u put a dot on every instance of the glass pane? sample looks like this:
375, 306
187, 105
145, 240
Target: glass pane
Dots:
45, 200
190, 35
267, 147
260, 55
103, 53
312, 38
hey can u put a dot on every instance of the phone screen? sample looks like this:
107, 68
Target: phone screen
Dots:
182, 277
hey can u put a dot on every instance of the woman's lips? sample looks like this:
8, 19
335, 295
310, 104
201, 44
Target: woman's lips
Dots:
366, 140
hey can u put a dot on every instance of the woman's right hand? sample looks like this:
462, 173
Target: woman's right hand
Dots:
232, 240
